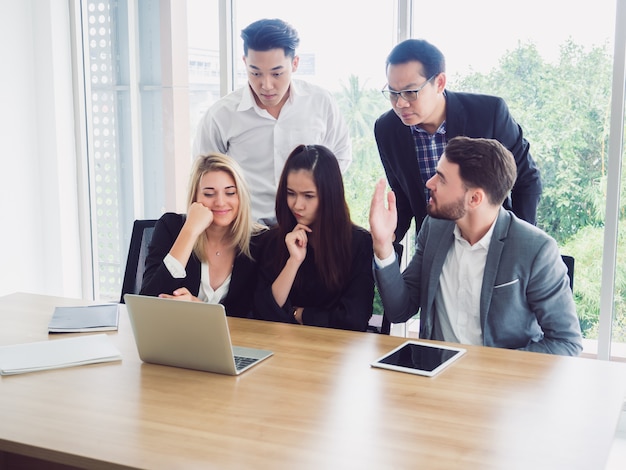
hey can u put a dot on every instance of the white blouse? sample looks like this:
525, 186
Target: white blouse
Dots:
206, 293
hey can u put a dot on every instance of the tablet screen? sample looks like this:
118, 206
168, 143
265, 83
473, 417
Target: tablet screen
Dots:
419, 358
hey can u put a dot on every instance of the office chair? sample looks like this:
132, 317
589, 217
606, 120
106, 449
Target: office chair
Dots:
569, 262
137, 253
379, 324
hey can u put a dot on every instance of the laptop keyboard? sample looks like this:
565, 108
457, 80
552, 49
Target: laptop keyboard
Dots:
241, 362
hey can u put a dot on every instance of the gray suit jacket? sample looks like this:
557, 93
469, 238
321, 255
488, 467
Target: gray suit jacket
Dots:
525, 303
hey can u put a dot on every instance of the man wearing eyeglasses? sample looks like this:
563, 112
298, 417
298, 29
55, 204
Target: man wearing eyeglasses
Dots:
412, 136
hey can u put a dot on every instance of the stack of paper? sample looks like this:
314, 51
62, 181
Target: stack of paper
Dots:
54, 354
84, 318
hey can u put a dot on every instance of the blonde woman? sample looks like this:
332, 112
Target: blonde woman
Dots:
205, 255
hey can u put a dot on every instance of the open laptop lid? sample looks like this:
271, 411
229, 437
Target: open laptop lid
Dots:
192, 335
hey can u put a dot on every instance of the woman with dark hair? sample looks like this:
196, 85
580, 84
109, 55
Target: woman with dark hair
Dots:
315, 265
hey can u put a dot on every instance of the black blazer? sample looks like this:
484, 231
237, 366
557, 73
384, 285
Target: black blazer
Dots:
469, 115
349, 309
157, 278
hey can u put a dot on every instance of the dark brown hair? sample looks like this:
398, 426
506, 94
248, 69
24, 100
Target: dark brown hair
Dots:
485, 164
331, 237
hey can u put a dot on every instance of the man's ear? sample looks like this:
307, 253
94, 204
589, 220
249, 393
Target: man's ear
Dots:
477, 197
440, 82
294, 63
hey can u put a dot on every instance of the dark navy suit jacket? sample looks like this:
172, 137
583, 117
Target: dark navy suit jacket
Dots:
469, 115
349, 308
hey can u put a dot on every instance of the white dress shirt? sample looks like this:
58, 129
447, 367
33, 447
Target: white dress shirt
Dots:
457, 301
236, 126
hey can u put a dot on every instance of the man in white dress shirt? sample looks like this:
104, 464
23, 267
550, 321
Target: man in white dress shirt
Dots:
479, 275
260, 124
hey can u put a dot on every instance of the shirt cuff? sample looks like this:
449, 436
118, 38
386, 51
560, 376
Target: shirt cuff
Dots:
383, 263
176, 269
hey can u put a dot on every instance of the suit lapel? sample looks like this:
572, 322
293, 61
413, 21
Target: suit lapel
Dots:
456, 117
496, 246
404, 138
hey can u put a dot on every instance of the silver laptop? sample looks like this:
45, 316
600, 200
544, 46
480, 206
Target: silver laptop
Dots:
192, 335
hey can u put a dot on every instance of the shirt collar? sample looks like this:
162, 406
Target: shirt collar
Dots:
294, 89
440, 130
484, 242
248, 101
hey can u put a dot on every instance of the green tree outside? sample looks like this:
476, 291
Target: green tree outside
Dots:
564, 110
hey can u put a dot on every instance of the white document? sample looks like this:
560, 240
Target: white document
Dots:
54, 354
84, 318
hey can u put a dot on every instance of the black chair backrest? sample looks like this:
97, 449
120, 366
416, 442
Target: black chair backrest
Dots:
569, 262
137, 253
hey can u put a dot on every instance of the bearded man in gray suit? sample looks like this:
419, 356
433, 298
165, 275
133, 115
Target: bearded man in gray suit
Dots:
480, 275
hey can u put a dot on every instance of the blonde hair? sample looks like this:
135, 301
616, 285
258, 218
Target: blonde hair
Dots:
243, 227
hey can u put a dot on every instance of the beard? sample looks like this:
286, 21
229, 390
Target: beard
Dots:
451, 211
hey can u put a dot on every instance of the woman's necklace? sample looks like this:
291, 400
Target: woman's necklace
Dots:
218, 251
220, 247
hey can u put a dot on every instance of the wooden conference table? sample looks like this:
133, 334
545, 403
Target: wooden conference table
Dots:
316, 404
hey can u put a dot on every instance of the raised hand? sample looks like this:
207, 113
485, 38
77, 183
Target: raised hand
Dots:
383, 220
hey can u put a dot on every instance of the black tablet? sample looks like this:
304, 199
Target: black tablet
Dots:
419, 358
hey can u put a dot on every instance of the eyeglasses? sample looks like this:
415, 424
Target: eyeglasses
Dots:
407, 95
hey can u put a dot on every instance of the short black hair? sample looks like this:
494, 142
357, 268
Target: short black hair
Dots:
409, 50
267, 34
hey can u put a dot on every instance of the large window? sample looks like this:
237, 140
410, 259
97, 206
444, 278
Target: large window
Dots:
351, 67
556, 78
131, 94
554, 69
107, 95
203, 40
